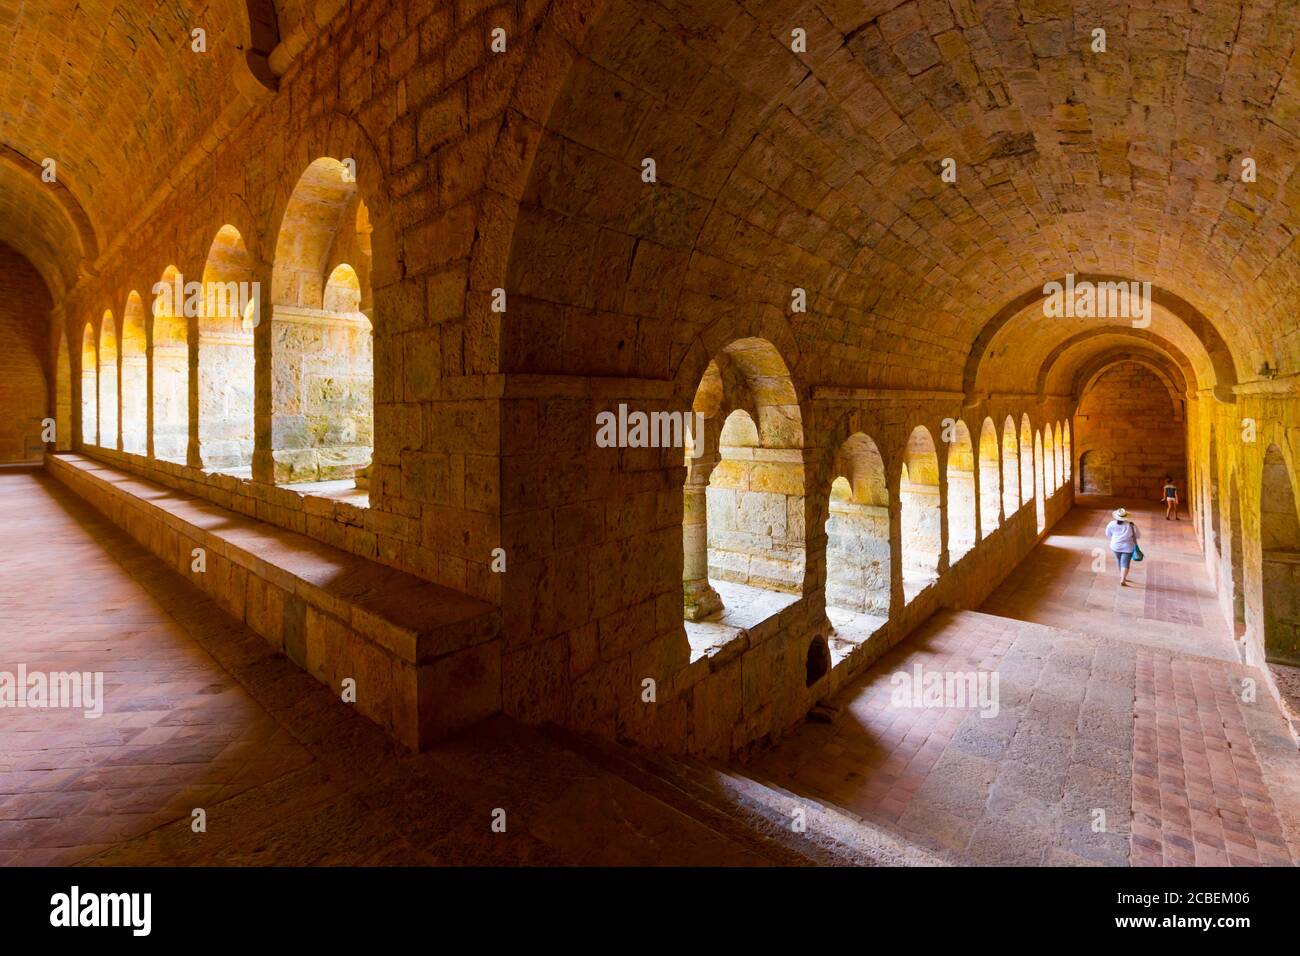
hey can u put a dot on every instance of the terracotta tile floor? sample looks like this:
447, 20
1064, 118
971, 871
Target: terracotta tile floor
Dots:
200, 712
1121, 737
1114, 703
177, 731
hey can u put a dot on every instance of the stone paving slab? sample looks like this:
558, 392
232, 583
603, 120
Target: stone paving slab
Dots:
1117, 741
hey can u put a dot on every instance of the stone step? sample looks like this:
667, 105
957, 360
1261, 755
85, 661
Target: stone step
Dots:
752, 812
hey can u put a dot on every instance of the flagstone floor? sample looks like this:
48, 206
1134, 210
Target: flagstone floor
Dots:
1127, 731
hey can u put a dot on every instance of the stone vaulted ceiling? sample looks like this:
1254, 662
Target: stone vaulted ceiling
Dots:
112, 91
821, 168
817, 168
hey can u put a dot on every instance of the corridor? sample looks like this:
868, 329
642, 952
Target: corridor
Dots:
1127, 731
1127, 703
201, 714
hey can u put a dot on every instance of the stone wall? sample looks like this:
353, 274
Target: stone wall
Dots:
1130, 435
1247, 457
24, 395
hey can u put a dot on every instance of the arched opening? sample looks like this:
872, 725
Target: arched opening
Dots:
1049, 460
169, 366
1010, 469
920, 513
1026, 460
89, 387
1039, 507
1279, 536
817, 663
1129, 418
1060, 455
990, 479
857, 534
135, 378
743, 507
62, 395
1067, 453
226, 322
107, 382
322, 358
961, 493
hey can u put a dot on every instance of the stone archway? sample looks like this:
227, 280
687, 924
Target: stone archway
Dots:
960, 486
920, 513
857, 530
990, 485
744, 508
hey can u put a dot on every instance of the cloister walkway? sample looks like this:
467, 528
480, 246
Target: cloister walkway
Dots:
1127, 732
1121, 734
201, 714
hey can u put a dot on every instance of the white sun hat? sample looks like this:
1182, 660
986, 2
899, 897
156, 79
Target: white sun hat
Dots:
1119, 513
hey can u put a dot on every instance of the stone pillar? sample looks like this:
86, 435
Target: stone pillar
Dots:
698, 597
193, 458
263, 378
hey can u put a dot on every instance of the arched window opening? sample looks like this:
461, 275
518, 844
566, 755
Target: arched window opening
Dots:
990, 480
62, 395
743, 505
89, 387
1067, 453
1026, 460
322, 358
920, 513
1039, 507
225, 384
1279, 533
135, 378
1049, 460
961, 491
169, 366
1058, 461
1010, 469
857, 542
107, 382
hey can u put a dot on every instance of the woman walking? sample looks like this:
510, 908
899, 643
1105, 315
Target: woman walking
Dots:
1170, 498
1123, 535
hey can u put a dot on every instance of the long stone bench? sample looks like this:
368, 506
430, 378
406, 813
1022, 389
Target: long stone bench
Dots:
426, 660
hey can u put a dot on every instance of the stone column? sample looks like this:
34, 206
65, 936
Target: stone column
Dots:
698, 597
263, 377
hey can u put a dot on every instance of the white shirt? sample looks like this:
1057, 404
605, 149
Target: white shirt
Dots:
1123, 535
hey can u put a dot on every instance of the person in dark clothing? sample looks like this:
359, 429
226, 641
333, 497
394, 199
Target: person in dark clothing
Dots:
1170, 498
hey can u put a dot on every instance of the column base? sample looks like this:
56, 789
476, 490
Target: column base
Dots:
699, 600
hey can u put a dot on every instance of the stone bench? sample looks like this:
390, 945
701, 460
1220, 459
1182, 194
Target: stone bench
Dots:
426, 660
